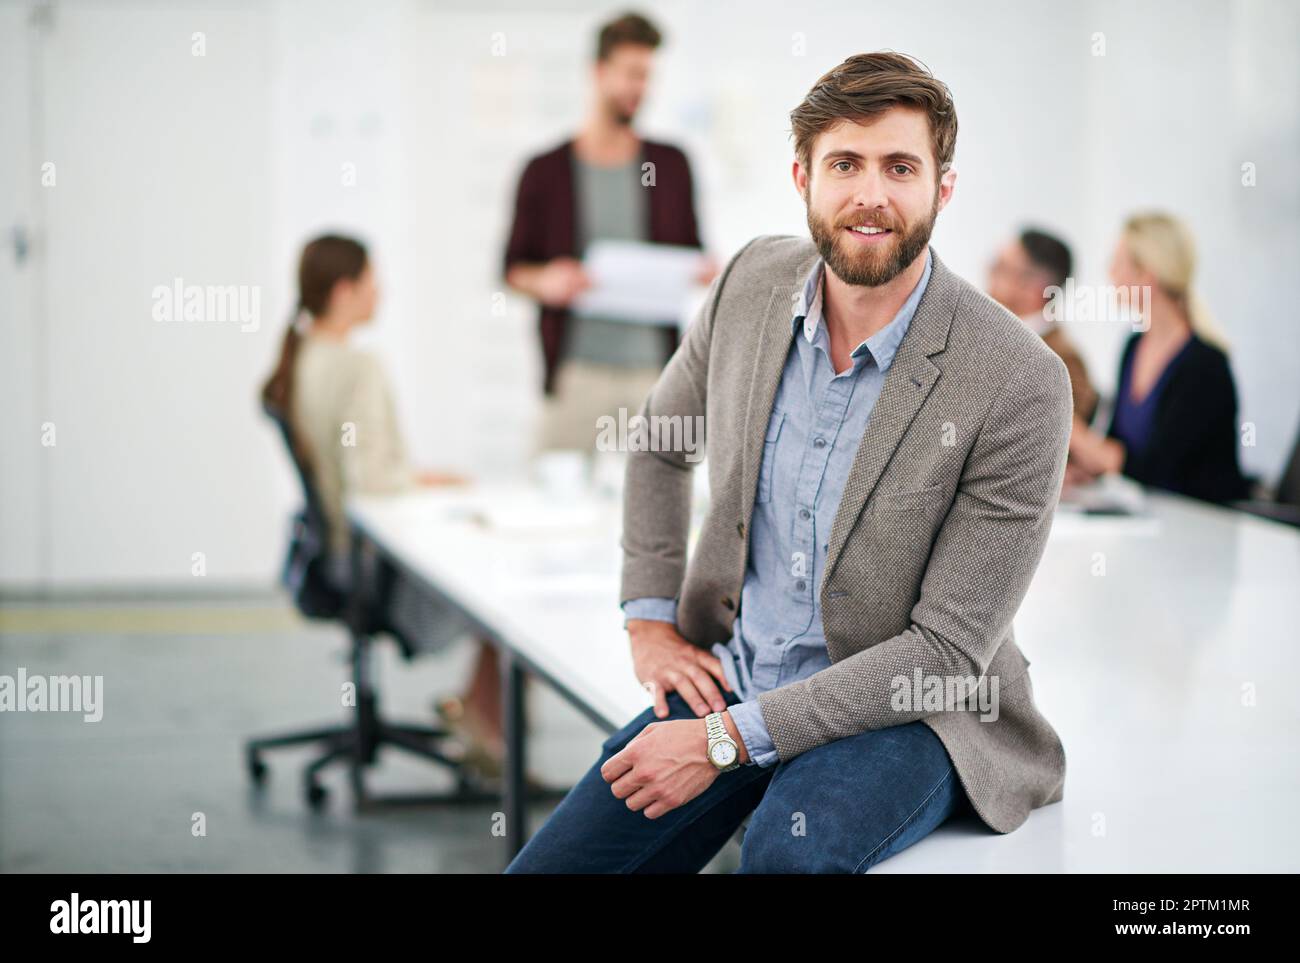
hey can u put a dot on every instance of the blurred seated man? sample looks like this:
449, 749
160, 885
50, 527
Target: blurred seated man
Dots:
1018, 280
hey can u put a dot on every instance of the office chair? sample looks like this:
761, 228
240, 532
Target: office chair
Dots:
1281, 504
362, 609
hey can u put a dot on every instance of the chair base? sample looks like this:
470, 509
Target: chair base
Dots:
358, 745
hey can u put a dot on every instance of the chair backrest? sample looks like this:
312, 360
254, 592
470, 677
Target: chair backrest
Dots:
305, 572
315, 508
1288, 487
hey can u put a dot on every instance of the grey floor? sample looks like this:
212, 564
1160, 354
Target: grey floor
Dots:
186, 681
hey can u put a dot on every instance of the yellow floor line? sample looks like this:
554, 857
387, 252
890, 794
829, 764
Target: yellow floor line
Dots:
146, 621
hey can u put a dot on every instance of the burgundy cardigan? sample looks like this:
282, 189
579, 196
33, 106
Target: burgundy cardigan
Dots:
546, 217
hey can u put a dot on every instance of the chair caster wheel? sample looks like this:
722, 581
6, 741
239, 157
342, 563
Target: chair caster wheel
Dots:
316, 795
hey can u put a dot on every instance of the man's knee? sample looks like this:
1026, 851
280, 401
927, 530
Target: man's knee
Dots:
779, 842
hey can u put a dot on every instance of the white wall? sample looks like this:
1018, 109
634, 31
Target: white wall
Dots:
161, 163
23, 533
215, 169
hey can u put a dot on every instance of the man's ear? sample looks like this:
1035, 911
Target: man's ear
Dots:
800, 177
947, 181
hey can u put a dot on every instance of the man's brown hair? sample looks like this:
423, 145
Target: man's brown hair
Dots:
631, 28
867, 85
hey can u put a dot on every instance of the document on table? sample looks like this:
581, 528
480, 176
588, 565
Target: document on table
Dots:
1107, 495
638, 282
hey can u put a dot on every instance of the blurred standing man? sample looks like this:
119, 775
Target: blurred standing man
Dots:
1018, 280
605, 184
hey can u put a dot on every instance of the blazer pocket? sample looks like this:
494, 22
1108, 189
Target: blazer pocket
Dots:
910, 501
766, 469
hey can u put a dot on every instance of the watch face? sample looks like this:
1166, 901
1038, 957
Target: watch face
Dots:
722, 754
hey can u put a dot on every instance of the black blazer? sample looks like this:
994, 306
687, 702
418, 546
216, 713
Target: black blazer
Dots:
1192, 449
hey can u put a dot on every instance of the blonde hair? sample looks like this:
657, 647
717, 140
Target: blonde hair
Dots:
1162, 244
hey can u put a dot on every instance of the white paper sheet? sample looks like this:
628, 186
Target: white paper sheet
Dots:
1107, 495
638, 282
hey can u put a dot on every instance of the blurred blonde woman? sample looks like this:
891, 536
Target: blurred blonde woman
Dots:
322, 381
1174, 423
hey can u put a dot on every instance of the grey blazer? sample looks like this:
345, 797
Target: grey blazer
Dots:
942, 522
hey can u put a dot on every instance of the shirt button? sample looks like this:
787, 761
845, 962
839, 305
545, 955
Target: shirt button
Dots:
819, 443
780, 641
800, 585
804, 514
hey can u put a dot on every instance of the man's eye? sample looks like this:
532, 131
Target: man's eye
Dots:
843, 166
902, 169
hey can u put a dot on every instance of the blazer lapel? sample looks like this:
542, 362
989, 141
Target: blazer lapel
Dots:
773, 347
908, 383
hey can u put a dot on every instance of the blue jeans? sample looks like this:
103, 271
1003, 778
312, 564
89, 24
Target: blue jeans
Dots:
839, 808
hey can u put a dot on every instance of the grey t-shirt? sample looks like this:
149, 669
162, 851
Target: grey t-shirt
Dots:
611, 206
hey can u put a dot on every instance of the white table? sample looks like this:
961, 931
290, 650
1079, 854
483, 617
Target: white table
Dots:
538, 577
1146, 636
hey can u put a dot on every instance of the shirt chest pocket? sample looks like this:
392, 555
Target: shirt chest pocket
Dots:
768, 467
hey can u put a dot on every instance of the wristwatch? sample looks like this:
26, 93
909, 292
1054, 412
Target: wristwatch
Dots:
723, 752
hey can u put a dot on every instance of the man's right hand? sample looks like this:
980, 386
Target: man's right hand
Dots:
665, 662
560, 281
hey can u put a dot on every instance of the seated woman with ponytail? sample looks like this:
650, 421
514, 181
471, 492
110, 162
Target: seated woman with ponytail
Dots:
1174, 422
343, 421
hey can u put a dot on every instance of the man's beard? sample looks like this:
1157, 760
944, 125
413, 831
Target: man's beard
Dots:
866, 266
618, 114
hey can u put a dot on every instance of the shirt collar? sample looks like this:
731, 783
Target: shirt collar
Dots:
882, 345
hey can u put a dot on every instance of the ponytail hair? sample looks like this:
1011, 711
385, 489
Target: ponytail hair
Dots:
325, 261
277, 392
1162, 244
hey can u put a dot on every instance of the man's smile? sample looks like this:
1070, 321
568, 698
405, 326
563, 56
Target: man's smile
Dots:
868, 235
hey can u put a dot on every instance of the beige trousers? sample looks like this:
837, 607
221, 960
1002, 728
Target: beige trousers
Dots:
584, 391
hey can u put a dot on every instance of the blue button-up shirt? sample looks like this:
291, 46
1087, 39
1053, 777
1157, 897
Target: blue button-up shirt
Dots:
817, 421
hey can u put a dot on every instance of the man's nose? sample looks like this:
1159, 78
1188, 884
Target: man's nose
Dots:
869, 191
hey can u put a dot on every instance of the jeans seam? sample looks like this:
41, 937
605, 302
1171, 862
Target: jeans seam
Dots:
906, 822
645, 856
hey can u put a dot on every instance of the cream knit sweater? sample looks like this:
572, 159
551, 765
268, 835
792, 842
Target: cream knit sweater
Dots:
344, 416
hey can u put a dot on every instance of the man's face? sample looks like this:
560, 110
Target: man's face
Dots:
873, 192
1016, 282
622, 79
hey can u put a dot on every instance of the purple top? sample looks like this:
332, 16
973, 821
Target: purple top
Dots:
1133, 419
